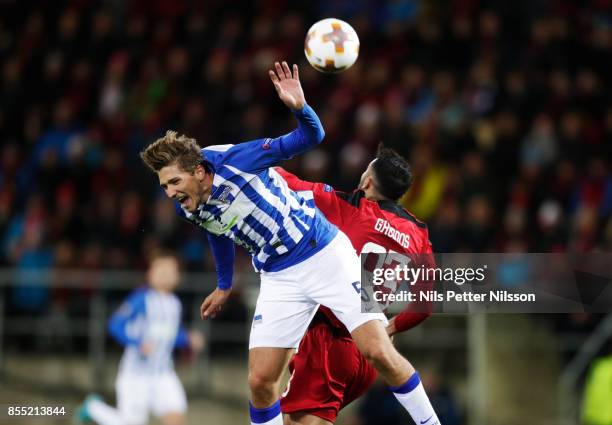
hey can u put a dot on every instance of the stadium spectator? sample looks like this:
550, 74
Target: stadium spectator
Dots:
503, 110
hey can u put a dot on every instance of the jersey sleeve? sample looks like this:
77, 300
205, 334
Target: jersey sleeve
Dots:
182, 338
294, 182
325, 197
223, 251
129, 310
409, 319
417, 311
256, 155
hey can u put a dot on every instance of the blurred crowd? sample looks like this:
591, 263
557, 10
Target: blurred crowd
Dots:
503, 109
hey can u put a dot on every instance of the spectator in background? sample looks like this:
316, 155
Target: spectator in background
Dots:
82, 94
32, 258
504, 113
596, 406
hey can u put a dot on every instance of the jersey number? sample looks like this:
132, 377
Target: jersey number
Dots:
378, 257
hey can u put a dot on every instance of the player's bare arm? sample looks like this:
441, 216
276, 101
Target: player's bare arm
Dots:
391, 330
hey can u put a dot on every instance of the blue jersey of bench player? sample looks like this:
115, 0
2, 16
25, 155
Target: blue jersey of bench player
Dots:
251, 205
148, 316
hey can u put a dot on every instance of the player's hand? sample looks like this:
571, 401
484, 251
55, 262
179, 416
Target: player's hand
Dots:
288, 85
196, 341
146, 348
213, 303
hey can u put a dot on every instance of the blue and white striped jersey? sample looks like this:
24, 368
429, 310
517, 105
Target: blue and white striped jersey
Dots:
149, 316
251, 204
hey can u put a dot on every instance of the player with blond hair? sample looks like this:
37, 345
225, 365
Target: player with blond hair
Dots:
233, 193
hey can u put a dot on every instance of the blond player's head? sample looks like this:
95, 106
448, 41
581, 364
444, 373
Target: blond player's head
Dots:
163, 273
178, 162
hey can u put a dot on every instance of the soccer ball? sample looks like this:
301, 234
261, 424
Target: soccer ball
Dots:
331, 46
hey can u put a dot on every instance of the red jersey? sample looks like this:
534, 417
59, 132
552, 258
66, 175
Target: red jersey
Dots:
372, 226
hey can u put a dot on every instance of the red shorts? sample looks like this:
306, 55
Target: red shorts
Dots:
328, 372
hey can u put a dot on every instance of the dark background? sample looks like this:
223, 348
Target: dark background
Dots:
502, 108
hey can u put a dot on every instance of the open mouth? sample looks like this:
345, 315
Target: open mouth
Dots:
183, 199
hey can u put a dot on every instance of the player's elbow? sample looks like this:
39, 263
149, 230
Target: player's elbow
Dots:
320, 134
312, 138
315, 134
113, 327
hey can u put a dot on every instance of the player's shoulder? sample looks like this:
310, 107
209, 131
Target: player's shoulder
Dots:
215, 154
389, 209
175, 299
328, 189
411, 218
356, 198
139, 294
402, 215
217, 148
135, 301
239, 155
222, 151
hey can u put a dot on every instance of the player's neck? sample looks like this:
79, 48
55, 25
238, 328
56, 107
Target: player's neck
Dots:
373, 195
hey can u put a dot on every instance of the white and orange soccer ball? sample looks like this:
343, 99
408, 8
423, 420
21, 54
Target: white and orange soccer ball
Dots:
331, 46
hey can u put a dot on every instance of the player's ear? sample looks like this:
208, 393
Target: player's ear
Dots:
200, 172
367, 182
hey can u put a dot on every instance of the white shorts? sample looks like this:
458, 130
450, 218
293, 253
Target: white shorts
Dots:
139, 394
288, 299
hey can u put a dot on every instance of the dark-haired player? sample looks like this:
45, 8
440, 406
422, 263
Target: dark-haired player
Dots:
328, 372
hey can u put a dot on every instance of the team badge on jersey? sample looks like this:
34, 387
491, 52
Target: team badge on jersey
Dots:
226, 190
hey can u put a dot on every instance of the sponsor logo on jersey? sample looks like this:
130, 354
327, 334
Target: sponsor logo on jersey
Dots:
266, 144
386, 229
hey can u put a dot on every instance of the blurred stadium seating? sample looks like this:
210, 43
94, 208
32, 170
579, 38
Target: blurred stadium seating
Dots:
503, 109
